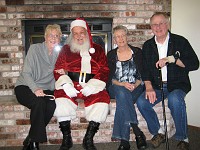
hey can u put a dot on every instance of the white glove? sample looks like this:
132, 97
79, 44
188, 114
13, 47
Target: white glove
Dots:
86, 91
70, 90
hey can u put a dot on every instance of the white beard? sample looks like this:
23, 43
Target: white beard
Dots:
75, 47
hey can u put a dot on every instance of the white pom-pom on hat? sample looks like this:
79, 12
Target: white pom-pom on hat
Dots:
92, 50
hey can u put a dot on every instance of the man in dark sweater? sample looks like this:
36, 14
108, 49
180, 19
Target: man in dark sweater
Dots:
167, 60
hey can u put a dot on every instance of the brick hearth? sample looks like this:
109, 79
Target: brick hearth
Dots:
14, 125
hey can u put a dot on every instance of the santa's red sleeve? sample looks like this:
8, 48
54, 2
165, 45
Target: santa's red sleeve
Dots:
61, 64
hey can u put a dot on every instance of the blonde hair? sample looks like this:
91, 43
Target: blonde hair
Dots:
164, 14
51, 27
120, 27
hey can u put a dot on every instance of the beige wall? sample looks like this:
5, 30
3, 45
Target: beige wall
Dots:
186, 21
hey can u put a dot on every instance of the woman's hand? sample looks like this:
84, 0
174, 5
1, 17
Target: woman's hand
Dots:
129, 86
39, 93
60, 71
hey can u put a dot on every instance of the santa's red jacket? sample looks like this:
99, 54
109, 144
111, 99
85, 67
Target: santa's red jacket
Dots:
71, 62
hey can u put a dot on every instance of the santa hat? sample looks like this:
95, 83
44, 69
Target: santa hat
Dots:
82, 23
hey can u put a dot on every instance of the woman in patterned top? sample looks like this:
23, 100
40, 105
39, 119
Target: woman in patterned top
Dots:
125, 85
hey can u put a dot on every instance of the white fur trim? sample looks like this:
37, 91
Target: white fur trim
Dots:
79, 23
65, 108
62, 80
97, 112
60, 119
97, 84
85, 61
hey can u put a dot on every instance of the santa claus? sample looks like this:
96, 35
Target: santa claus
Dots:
81, 72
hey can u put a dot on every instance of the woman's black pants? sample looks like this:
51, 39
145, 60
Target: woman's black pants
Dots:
41, 111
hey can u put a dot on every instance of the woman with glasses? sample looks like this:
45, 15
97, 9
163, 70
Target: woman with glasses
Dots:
125, 85
36, 83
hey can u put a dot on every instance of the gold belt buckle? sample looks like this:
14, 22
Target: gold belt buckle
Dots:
82, 80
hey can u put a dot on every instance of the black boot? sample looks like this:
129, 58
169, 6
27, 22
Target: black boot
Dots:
67, 139
93, 127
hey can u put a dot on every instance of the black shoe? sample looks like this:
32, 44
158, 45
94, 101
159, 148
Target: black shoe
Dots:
121, 147
182, 145
157, 140
26, 143
141, 141
32, 146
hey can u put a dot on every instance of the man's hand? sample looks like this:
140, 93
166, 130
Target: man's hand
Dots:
87, 91
164, 61
70, 90
151, 95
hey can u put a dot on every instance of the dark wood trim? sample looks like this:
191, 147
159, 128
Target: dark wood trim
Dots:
194, 127
14, 2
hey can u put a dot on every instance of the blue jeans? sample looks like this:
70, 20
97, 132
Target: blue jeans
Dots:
125, 110
177, 106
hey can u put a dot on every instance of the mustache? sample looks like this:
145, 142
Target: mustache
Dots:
75, 47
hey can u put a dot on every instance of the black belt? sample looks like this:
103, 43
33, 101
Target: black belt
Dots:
164, 82
80, 76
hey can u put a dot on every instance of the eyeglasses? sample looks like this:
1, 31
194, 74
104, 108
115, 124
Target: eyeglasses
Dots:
120, 36
158, 25
82, 34
56, 36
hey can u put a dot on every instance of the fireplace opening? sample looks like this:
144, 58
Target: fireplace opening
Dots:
101, 30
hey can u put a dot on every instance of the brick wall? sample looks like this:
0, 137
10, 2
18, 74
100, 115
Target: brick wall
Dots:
132, 13
14, 125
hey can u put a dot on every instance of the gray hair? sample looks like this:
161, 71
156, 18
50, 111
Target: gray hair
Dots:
120, 27
164, 14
